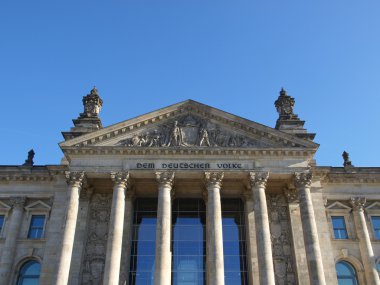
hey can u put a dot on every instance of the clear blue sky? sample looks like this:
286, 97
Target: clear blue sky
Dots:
234, 55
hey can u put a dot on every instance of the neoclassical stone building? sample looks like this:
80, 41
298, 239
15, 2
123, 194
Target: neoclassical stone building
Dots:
189, 195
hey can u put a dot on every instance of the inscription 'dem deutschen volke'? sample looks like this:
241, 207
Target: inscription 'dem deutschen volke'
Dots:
189, 165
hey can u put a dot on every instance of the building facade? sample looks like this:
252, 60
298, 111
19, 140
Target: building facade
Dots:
189, 195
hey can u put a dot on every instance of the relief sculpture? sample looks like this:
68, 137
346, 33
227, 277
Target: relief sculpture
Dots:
188, 131
281, 240
95, 252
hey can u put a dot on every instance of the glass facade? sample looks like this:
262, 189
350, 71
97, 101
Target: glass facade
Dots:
234, 242
339, 227
29, 273
376, 226
143, 242
36, 228
346, 273
189, 242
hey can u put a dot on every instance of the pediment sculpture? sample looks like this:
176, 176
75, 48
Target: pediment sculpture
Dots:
188, 131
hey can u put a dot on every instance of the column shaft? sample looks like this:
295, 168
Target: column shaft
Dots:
64, 261
263, 237
310, 233
115, 232
215, 264
365, 245
162, 270
9, 248
128, 233
253, 268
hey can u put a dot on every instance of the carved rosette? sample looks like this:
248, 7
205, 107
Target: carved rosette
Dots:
165, 178
258, 179
214, 179
303, 179
75, 179
17, 202
120, 179
291, 195
358, 203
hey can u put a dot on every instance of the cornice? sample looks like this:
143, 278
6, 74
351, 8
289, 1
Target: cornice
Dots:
338, 175
29, 174
123, 150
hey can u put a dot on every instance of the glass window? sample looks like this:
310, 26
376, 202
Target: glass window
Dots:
189, 242
339, 227
2, 219
376, 226
234, 242
36, 228
346, 273
143, 242
29, 273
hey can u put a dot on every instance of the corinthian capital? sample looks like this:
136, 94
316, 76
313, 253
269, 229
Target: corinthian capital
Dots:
302, 179
214, 179
165, 178
74, 178
18, 202
120, 178
258, 179
358, 203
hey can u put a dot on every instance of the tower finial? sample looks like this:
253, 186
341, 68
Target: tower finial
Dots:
92, 104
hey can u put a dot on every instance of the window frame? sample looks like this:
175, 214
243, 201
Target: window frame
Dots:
30, 225
37, 208
4, 211
334, 229
338, 209
350, 267
373, 210
20, 268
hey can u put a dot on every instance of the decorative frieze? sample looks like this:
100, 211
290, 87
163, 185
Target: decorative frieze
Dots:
97, 235
280, 231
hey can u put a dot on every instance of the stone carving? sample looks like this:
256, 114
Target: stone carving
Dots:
92, 104
283, 259
188, 131
120, 178
214, 179
97, 234
291, 195
258, 178
285, 105
358, 203
302, 179
74, 179
17, 202
29, 161
165, 178
346, 159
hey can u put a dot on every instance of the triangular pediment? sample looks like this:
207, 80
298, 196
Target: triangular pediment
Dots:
38, 205
373, 207
189, 124
338, 206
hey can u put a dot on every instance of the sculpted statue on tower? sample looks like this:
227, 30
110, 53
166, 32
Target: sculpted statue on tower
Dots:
92, 104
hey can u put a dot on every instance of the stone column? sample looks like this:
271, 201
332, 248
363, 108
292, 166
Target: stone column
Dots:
365, 245
162, 269
297, 236
115, 231
127, 236
9, 247
309, 226
74, 180
214, 236
263, 237
253, 268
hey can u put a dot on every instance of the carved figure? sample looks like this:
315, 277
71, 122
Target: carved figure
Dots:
29, 161
346, 159
176, 138
91, 104
204, 138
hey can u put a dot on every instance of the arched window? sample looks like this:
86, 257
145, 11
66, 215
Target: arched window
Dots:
346, 273
29, 273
